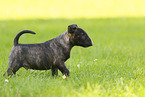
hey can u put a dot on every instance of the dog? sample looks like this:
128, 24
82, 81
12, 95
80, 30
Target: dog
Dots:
51, 54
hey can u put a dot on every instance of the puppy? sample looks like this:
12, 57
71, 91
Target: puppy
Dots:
51, 54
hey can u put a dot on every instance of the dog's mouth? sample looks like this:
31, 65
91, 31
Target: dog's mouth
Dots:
90, 43
87, 43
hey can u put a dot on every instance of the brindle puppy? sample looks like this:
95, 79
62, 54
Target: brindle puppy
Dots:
51, 54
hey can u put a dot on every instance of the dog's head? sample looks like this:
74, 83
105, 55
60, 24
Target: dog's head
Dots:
78, 36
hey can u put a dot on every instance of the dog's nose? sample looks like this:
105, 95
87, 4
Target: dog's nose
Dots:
91, 42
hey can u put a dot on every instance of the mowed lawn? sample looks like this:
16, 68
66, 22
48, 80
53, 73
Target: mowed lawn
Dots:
113, 66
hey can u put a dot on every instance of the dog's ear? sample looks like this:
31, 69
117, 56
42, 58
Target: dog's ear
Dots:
72, 28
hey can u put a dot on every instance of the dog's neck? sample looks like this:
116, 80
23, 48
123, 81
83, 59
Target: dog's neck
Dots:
61, 45
64, 45
64, 40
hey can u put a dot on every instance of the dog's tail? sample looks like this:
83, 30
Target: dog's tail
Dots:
19, 34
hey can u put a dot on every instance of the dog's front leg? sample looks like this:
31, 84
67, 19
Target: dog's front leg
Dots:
61, 66
54, 71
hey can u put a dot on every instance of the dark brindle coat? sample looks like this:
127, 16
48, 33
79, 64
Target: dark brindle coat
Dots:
51, 54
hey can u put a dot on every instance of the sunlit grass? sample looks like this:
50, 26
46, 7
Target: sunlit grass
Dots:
119, 47
20, 9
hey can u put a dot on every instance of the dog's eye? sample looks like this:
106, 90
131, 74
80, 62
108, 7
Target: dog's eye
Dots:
74, 28
82, 34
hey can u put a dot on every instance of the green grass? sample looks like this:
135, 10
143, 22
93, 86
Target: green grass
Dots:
119, 46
